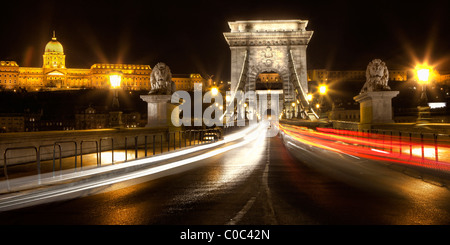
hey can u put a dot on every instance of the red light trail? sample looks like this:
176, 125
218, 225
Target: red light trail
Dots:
388, 148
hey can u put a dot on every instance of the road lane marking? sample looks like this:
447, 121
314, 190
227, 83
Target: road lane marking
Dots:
242, 212
265, 179
265, 184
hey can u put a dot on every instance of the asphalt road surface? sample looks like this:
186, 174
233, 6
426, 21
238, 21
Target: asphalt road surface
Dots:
269, 181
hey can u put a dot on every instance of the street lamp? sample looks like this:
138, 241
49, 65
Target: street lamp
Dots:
115, 116
114, 80
323, 89
309, 98
423, 76
214, 91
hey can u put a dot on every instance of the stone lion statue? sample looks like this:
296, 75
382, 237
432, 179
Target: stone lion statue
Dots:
377, 76
161, 80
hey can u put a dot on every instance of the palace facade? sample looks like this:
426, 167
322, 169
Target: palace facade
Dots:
54, 75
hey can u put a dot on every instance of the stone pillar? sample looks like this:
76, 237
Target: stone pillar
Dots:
375, 107
159, 110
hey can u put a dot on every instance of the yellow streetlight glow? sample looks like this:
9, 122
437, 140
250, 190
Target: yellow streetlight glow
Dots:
309, 97
214, 91
293, 104
323, 89
115, 80
317, 106
423, 75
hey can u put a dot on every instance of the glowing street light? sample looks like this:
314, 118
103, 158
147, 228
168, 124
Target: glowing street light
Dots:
423, 75
214, 91
114, 80
309, 97
115, 115
323, 89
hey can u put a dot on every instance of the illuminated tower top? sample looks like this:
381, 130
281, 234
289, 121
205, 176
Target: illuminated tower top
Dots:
54, 54
268, 25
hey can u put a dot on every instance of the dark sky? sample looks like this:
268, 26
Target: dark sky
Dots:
188, 35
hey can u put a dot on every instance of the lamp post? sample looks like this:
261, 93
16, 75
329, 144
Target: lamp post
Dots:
323, 89
115, 80
423, 77
294, 110
115, 115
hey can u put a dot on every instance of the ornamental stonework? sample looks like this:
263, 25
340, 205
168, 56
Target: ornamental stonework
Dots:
268, 59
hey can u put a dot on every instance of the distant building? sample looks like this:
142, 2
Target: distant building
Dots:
445, 79
186, 82
12, 123
326, 76
54, 75
92, 118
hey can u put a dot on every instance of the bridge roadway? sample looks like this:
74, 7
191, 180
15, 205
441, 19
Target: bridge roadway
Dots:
264, 181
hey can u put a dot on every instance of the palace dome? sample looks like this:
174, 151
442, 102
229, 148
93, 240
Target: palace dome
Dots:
54, 46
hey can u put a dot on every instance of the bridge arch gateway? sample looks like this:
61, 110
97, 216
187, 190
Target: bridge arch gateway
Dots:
277, 46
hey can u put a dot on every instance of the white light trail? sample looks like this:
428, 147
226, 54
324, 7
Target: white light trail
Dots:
380, 151
8, 202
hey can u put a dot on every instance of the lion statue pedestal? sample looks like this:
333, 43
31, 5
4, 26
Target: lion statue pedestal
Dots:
375, 98
376, 107
159, 106
159, 110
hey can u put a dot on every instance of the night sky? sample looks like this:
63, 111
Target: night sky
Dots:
188, 35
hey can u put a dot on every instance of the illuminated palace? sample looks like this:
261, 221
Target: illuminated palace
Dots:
54, 75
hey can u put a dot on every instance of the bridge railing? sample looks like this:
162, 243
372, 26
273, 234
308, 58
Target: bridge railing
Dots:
423, 144
422, 150
98, 150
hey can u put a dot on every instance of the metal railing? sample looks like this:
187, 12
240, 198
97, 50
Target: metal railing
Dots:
81, 151
431, 149
54, 151
75, 148
5, 165
159, 142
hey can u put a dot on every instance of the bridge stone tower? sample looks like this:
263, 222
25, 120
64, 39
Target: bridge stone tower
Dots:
279, 46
